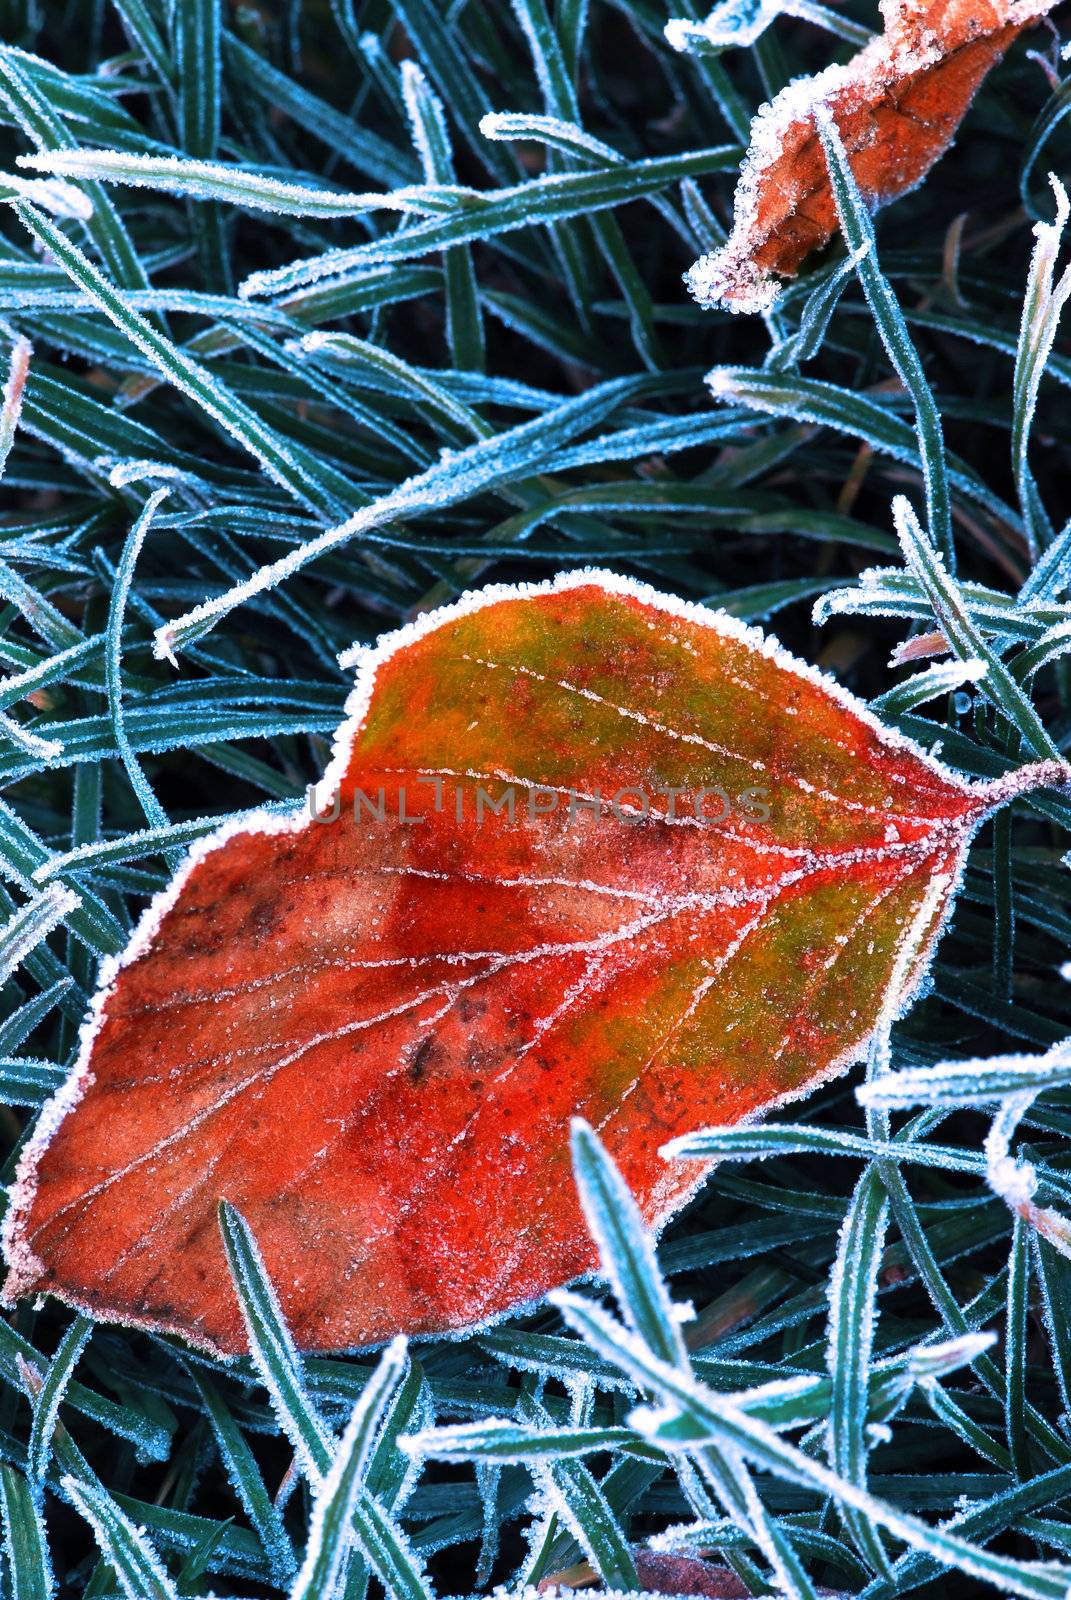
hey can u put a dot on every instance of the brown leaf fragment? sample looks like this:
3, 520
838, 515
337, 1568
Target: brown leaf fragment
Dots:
897, 105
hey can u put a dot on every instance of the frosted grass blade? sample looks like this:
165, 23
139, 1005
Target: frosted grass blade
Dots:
627, 1257
952, 613
37, 119
220, 181
688, 1417
1042, 308
889, 320
154, 812
942, 678
431, 136
850, 1348
974, 1082
180, 369
29, 1568
31, 925
783, 394
555, 132
273, 1350
21, 352
504, 457
245, 1476
48, 1400
331, 1530
543, 200
140, 1572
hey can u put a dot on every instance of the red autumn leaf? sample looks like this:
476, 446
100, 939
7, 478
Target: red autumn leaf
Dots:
897, 105
658, 1573
370, 1034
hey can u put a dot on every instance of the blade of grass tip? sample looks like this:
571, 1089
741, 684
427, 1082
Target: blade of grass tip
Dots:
626, 1253
728, 27
804, 400
225, 182
47, 1401
1042, 308
146, 842
978, 1081
392, 1473
196, 1563
61, 199
244, 1473
557, 133
202, 387
460, 419
488, 1479
44, 750
726, 97
274, 1353
944, 677
155, 815
29, 1570
126, 1549
441, 47
850, 1348
952, 612
14, 388
32, 924
331, 1529
572, 248
464, 320
817, 314
858, 232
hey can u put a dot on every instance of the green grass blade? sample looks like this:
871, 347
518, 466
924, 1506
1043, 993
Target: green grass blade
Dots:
25, 1539
127, 1551
889, 321
274, 1354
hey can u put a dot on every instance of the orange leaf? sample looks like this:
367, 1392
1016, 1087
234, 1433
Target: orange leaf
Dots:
897, 105
707, 869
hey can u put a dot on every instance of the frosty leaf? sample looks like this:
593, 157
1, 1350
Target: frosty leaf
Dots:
897, 105
597, 853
